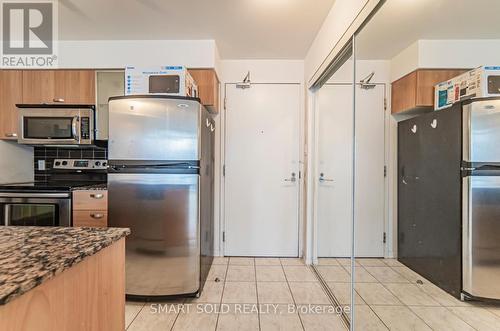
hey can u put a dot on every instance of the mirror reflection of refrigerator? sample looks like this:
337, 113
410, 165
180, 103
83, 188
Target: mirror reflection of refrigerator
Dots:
160, 186
449, 197
481, 198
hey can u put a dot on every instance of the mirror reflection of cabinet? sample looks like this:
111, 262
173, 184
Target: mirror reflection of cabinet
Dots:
208, 88
109, 83
416, 90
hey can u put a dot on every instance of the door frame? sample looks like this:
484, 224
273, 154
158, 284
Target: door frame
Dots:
314, 172
301, 158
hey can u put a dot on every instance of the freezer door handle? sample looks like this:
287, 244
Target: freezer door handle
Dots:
466, 235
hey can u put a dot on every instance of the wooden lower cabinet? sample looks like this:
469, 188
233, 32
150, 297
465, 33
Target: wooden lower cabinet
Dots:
90, 200
90, 218
90, 208
87, 296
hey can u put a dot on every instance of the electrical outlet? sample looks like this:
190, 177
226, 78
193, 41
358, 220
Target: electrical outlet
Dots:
41, 165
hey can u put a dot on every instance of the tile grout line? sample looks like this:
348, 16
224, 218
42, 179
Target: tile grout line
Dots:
404, 304
331, 297
291, 294
451, 311
176, 318
133, 319
222, 294
256, 292
370, 306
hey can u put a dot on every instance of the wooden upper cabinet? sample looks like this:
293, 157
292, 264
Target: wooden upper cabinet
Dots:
38, 86
11, 84
59, 86
416, 90
208, 87
75, 86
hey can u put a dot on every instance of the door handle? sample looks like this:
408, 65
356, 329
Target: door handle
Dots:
74, 128
292, 179
97, 216
11, 135
58, 100
7, 215
97, 196
323, 179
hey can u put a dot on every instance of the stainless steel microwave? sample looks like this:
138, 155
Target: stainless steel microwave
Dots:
56, 124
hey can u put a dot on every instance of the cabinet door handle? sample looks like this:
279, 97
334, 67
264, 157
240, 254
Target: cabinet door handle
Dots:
58, 100
11, 135
97, 216
97, 196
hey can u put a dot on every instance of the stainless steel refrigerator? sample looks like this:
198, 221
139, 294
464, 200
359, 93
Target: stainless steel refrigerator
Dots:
449, 197
160, 185
481, 198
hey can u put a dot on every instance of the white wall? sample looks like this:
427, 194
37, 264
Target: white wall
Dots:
445, 54
405, 62
16, 162
119, 53
381, 68
261, 71
458, 53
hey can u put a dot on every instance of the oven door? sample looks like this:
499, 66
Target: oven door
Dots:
35, 209
55, 126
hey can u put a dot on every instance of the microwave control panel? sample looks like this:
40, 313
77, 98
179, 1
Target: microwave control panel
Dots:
85, 127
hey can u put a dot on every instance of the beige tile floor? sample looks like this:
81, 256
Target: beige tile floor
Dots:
389, 297
251, 294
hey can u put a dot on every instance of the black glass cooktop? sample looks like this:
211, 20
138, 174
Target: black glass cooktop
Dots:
49, 186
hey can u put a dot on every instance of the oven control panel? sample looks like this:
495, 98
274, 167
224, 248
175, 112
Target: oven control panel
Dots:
80, 164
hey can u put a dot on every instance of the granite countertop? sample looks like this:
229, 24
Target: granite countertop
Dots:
30, 255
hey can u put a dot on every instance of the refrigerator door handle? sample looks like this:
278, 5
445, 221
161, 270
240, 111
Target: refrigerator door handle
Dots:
466, 235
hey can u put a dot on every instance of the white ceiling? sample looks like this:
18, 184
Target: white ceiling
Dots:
399, 23
242, 29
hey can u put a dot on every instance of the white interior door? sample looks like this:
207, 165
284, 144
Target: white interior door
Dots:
334, 193
262, 170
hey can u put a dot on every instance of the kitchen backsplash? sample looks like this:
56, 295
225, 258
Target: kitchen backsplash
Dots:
49, 154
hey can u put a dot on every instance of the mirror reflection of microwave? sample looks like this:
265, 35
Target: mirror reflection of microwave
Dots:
163, 80
481, 82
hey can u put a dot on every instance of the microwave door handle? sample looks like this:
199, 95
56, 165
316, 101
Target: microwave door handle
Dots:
6, 215
74, 128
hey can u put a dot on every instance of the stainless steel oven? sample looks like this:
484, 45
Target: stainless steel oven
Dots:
35, 209
56, 124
